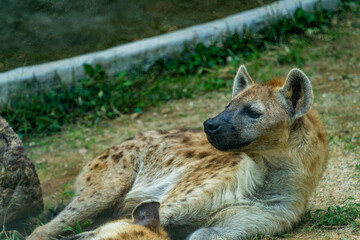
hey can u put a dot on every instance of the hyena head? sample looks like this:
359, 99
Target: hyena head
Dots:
260, 115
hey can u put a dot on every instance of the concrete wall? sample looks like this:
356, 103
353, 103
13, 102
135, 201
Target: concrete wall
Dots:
145, 52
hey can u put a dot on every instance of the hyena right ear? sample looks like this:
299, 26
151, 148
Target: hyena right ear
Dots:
296, 94
242, 81
147, 214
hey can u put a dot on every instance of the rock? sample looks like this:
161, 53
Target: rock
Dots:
20, 191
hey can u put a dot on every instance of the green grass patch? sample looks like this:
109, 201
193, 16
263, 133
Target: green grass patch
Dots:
10, 235
98, 96
78, 227
334, 216
357, 167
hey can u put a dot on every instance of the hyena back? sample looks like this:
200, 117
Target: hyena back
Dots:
251, 171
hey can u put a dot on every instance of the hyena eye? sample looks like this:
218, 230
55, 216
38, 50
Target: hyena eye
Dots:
253, 114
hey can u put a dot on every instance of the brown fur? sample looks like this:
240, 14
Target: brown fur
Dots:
144, 226
122, 229
258, 182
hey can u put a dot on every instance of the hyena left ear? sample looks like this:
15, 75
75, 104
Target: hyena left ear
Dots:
296, 94
147, 214
242, 81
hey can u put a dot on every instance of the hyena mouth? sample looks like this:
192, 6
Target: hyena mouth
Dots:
224, 144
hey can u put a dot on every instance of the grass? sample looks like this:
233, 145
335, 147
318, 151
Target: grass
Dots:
78, 227
10, 235
358, 166
98, 96
334, 216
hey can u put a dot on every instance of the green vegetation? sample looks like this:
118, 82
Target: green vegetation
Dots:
97, 96
334, 216
78, 227
67, 193
269, 237
10, 235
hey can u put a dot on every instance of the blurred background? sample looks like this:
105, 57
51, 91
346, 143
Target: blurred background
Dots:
38, 31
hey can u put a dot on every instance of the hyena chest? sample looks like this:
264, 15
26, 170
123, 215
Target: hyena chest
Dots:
155, 185
192, 195
190, 181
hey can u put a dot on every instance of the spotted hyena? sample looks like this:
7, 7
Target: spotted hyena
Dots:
145, 225
250, 171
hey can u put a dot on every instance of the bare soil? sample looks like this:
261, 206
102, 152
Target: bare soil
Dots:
332, 62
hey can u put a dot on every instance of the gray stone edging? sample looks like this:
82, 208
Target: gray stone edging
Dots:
147, 51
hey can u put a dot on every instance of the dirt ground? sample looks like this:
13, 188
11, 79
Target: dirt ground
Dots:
332, 62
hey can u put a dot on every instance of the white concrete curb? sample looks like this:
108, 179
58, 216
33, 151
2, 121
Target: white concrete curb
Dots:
146, 52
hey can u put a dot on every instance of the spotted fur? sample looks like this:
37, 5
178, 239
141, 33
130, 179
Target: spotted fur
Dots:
251, 175
145, 225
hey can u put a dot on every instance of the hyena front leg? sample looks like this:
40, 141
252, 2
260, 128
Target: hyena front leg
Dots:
78, 210
237, 223
101, 184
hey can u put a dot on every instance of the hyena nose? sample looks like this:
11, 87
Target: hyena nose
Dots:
211, 126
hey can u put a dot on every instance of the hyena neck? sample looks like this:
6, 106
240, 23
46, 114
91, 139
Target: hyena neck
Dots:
267, 183
272, 157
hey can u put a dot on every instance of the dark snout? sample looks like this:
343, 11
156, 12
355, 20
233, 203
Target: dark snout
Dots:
220, 131
221, 124
222, 134
212, 126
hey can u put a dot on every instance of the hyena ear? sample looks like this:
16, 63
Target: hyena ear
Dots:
147, 214
296, 94
242, 81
